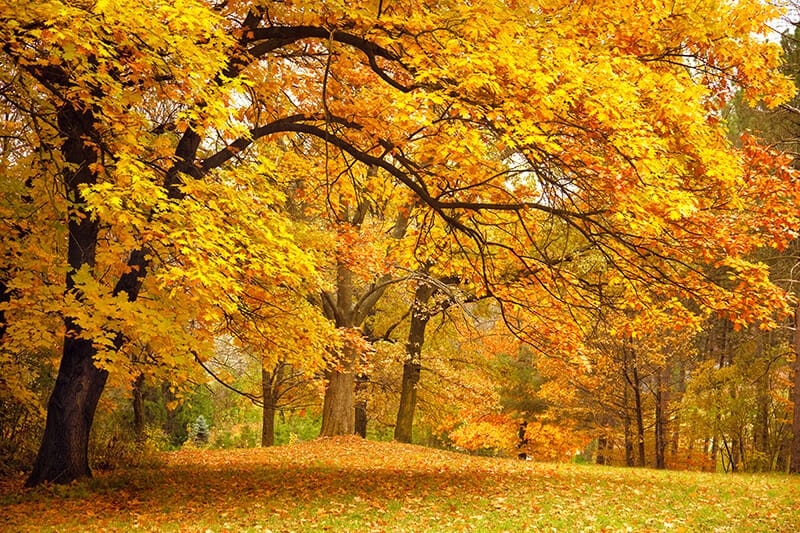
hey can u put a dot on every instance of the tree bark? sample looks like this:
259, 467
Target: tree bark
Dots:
626, 414
602, 448
360, 427
634, 380
761, 430
661, 401
338, 411
270, 394
63, 455
412, 365
138, 406
626, 426
794, 465
5, 297
361, 406
637, 400
680, 390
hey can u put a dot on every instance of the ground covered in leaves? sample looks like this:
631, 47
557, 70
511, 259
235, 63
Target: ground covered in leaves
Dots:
348, 484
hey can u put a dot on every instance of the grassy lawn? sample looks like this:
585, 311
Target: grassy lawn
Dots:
352, 485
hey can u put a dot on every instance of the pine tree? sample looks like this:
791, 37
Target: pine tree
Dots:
200, 431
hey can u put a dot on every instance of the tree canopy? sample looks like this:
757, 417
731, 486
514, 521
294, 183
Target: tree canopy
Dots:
173, 171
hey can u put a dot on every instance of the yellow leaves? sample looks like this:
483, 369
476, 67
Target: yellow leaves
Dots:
489, 432
599, 112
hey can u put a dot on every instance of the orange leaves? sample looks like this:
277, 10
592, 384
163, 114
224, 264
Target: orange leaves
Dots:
363, 249
772, 191
349, 484
497, 432
560, 156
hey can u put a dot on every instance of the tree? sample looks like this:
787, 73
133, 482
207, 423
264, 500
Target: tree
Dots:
159, 119
412, 366
777, 127
200, 430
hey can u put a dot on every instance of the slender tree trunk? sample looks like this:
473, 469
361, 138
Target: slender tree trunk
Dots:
794, 465
172, 424
714, 453
5, 297
270, 393
412, 366
626, 411
761, 429
602, 445
408, 401
138, 406
637, 400
361, 406
63, 455
658, 429
661, 420
680, 389
626, 427
6, 273
360, 423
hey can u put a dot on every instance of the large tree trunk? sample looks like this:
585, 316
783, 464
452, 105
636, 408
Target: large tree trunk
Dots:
420, 315
338, 411
348, 311
63, 455
63, 452
794, 465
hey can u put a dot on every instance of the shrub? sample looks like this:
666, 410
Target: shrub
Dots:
200, 431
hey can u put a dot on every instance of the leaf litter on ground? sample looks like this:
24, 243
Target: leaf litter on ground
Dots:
349, 484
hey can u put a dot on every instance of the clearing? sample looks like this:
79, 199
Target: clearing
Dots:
348, 484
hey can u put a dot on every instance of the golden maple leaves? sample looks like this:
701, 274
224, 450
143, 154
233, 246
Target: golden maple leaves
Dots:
551, 146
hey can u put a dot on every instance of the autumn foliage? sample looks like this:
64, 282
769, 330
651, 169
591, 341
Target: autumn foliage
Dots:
351, 484
176, 173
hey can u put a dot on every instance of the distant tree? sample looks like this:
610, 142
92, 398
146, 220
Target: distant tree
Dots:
200, 430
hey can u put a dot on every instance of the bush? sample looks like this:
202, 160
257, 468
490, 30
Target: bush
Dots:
118, 448
297, 428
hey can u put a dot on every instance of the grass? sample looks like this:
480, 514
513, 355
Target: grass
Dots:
348, 484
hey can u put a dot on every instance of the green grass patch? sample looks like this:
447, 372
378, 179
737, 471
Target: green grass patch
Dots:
348, 484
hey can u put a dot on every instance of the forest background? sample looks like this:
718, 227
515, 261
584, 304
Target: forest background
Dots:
253, 222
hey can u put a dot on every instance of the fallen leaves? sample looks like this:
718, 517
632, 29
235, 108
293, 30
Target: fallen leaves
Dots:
348, 484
